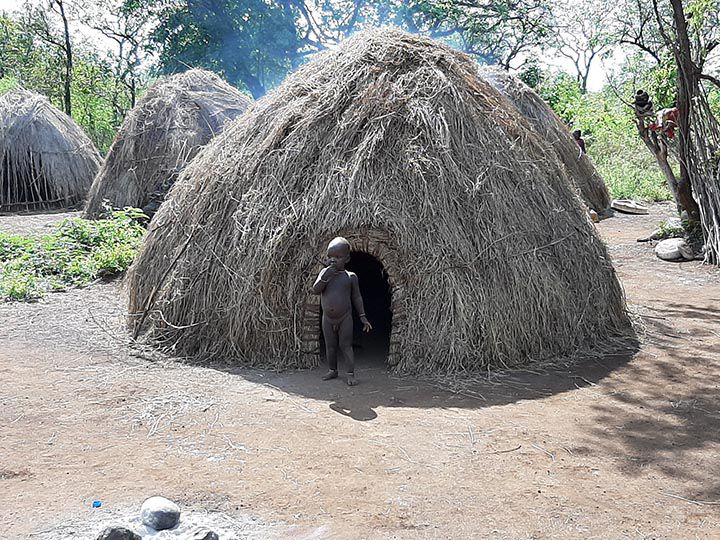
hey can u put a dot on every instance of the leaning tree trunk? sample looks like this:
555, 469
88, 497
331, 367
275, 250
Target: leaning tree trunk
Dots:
659, 148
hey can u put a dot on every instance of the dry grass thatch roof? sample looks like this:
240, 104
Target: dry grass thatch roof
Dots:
178, 115
46, 160
549, 125
394, 142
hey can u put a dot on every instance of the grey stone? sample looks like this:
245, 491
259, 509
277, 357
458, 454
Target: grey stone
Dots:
674, 249
203, 534
118, 533
160, 513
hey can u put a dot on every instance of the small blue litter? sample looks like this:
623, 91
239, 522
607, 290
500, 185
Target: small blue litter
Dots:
96, 504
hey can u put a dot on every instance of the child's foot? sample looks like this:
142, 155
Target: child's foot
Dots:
351, 379
332, 374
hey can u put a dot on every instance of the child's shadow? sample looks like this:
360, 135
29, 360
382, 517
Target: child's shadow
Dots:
361, 413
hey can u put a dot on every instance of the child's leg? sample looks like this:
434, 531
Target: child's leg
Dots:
331, 347
345, 344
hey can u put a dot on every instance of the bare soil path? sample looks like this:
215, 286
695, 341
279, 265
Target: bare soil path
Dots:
625, 446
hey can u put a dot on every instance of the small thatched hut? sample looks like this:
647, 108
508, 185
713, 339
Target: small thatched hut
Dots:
543, 119
46, 160
477, 251
166, 129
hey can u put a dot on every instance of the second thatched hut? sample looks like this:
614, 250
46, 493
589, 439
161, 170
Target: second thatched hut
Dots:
543, 119
46, 160
463, 223
166, 129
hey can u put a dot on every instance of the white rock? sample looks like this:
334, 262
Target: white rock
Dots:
160, 513
674, 249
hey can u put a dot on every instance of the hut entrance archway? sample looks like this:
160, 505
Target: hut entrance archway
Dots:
374, 260
371, 349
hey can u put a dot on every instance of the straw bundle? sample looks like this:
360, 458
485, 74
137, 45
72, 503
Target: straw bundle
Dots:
394, 142
46, 160
544, 120
166, 129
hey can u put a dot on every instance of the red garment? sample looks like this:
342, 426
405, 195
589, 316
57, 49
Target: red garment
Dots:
666, 122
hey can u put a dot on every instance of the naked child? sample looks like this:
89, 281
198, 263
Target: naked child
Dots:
339, 291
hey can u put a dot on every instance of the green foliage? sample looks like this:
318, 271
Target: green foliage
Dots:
613, 144
629, 170
562, 92
7, 83
713, 99
94, 98
671, 229
253, 43
531, 74
76, 253
99, 100
659, 81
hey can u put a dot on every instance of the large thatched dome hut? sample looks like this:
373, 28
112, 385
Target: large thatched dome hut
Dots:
543, 119
46, 160
475, 249
166, 129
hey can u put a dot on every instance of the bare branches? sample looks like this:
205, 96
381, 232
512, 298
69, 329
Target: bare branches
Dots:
586, 31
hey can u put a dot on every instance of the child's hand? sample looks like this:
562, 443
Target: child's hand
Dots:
328, 273
366, 324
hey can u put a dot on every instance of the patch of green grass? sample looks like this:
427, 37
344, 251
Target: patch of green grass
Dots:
626, 179
671, 229
76, 253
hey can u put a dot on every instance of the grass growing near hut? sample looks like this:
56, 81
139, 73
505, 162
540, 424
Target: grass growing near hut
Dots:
76, 253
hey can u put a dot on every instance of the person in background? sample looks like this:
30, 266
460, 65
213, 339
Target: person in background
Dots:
577, 135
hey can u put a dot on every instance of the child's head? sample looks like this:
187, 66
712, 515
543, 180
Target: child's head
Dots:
338, 252
577, 134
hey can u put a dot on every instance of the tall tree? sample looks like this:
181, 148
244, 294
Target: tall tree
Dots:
51, 25
125, 23
251, 42
496, 31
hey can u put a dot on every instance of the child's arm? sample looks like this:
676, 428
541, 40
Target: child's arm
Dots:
358, 303
324, 277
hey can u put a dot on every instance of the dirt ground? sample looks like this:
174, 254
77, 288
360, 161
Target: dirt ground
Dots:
624, 446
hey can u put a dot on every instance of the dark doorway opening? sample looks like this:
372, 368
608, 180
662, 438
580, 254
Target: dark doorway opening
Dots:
371, 349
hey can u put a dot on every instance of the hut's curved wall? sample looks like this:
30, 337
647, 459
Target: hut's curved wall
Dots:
582, 173
177, 116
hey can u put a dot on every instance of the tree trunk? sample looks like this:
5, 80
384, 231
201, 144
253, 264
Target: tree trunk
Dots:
687, 86
68, 59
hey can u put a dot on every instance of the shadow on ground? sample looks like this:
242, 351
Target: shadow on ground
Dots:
664, 413
378, 389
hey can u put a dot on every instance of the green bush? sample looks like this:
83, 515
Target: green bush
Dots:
76, 253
